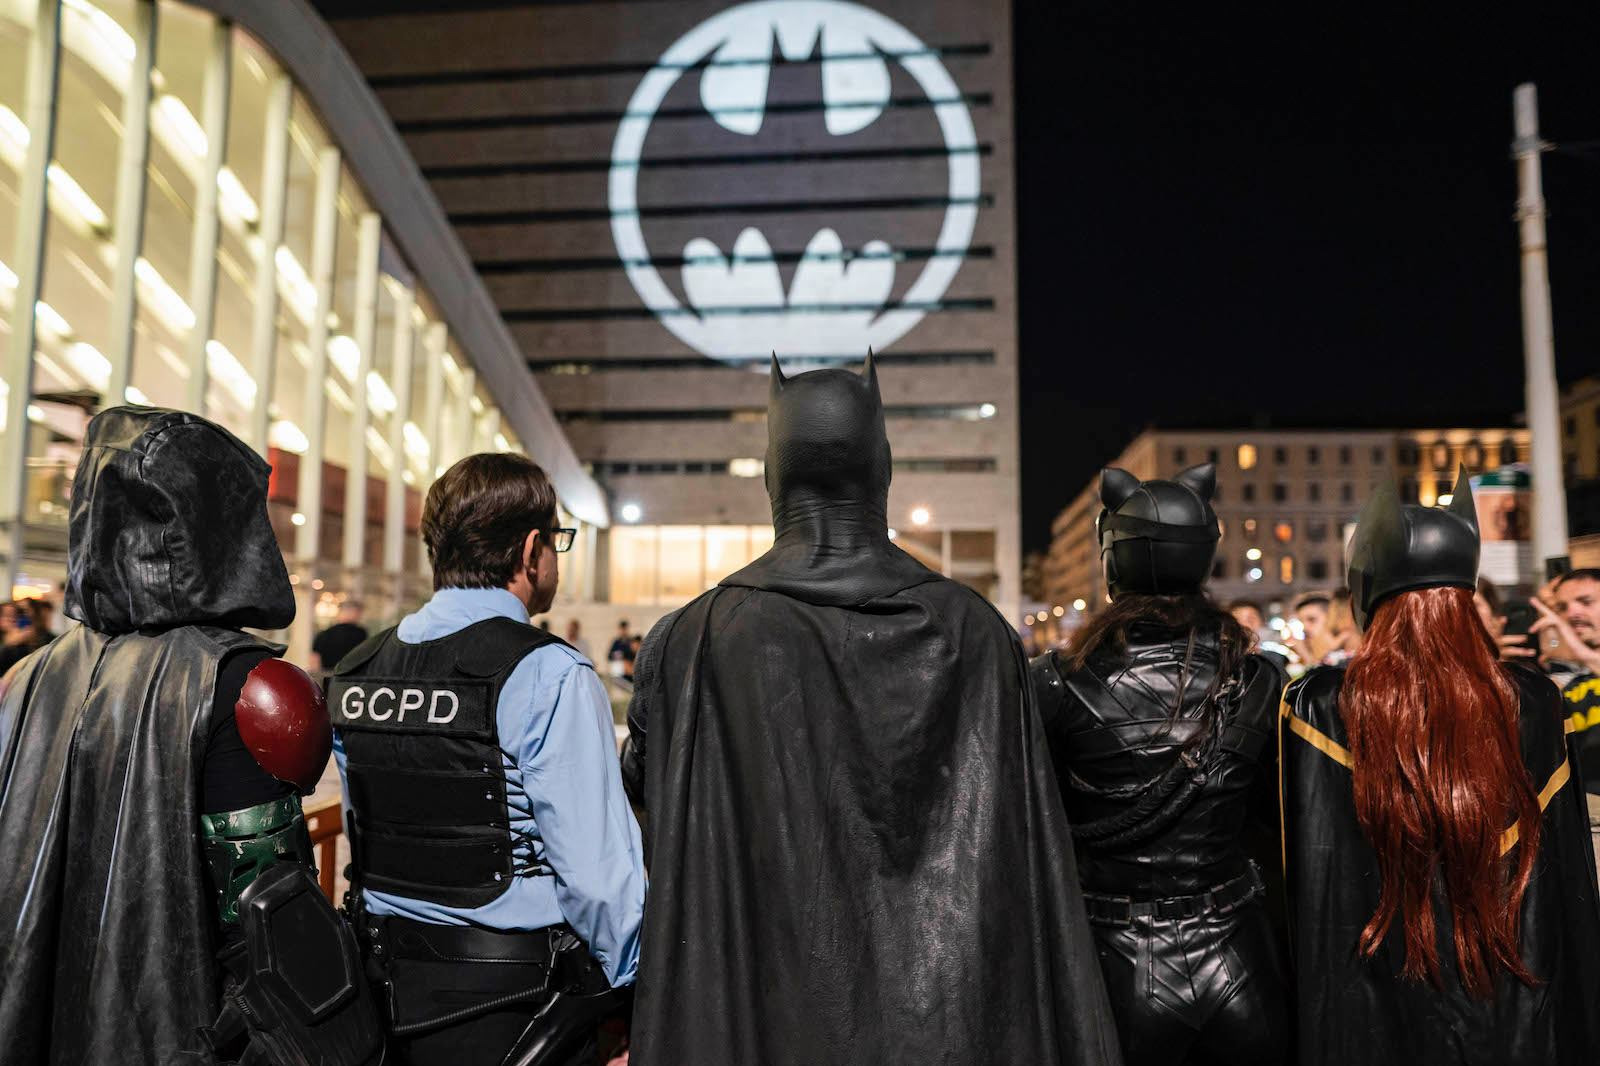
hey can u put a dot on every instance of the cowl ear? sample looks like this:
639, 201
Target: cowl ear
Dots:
1116, 486
870, 372
1202, 479
778, 381
1461, 502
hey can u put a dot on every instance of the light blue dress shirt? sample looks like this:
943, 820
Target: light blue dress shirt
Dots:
563, 783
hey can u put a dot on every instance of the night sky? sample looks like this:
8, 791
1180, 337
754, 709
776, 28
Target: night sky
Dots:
1229, 220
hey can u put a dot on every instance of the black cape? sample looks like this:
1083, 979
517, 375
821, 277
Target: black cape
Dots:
104, 903
857, 850
1354, 1010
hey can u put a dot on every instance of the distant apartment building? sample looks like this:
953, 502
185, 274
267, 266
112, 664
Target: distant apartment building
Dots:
1284, 498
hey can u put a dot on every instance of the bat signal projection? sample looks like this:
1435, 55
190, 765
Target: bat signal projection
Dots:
838, 298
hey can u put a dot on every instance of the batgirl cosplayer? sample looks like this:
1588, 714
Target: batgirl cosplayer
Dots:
1440, 869
1160, 724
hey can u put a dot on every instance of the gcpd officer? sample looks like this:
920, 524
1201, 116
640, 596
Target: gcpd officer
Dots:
497, 875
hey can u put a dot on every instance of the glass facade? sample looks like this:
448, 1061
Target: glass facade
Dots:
201, 236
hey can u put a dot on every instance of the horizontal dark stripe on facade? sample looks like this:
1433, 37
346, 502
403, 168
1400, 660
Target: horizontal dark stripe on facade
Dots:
965, 412
600, 314
758, 207
600, 70
479, 123
744, 363
501, 267
448, 171
652, 467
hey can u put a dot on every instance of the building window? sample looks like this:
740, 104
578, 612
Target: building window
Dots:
1377, 456
670, 565
1409, 455
1284, 532
1248, 493
1596, 412
1214, 456
1347, 493
1408, 489
1249, 525
1474, 456
1313, 456
1280, 492
1180, 455
1286, 569
1247, 456
1314, 491
1571, 425
1344, 455
1253, 574
1216, 494
1317, 531
1317, 569
1508, 451
1441, 455
1280, 455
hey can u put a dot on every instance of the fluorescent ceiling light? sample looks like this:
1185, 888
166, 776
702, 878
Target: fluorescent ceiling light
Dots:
230, 373
74, 200
50, 319
379, 396
295, 285
286, 436
162, 298
236, 201
91, 366
345, 354
183, 125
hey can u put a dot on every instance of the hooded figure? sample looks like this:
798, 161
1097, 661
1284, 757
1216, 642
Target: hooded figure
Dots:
1436, 846
854, 838
110, 751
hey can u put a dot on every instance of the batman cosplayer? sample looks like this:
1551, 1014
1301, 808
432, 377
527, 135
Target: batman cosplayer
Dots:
851, 826
1441, 874
1161, 723
158, 906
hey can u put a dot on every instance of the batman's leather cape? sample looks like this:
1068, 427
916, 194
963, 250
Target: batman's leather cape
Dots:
1354, 1010
857, 850
104, 909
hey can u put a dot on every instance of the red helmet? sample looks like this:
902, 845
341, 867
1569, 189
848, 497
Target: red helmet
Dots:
283, 720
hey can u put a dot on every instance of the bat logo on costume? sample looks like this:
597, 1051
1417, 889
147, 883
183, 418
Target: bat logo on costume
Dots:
839, 298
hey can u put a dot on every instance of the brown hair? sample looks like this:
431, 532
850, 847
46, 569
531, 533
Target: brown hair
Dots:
479, 514
1185, 615
1432, 716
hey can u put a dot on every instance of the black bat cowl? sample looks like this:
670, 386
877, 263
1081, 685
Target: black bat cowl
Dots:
857, 851
107, 926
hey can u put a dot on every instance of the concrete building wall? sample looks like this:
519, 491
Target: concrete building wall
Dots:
514, 114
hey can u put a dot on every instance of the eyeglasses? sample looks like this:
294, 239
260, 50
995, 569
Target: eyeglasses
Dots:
561, 539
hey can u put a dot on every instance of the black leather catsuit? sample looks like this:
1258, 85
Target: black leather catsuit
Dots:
1192, 977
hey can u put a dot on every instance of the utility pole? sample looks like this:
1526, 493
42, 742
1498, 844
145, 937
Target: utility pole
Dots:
1543, 399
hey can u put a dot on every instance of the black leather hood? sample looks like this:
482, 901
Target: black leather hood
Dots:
1398, 548
828, 471
169, 527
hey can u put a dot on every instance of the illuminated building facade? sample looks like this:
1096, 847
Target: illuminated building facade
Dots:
660, 194
202, 206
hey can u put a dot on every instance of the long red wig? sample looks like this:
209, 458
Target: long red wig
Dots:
1432, 719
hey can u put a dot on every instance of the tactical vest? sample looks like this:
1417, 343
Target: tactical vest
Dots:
423, 762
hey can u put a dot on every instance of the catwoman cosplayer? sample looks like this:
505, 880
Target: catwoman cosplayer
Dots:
1160, 724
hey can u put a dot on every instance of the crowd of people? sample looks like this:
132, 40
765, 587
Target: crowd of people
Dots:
875, 832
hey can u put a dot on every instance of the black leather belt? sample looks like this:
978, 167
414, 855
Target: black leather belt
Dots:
402, 938
1222, 899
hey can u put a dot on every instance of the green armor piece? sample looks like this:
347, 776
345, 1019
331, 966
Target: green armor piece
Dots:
241, 844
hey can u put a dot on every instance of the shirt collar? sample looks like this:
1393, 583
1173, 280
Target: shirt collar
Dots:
476, 605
